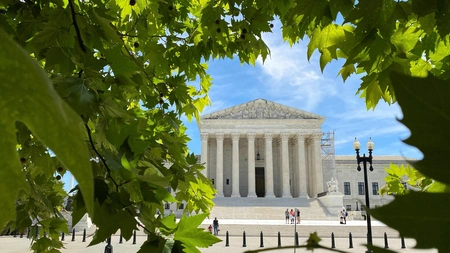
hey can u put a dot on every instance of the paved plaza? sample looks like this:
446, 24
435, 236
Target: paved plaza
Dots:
253, 229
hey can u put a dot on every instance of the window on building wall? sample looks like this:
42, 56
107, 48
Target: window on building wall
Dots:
348, 207
375, 188
228, 181
361, 188
347, 188
166, 206
181, 206
212, 180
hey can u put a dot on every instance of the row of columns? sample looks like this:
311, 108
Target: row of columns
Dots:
316, 174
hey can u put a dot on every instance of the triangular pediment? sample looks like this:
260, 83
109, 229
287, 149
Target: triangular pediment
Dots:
261, 109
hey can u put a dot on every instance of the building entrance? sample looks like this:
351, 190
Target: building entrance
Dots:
260, 182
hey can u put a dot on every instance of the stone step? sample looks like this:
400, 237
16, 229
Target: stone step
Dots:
268, 208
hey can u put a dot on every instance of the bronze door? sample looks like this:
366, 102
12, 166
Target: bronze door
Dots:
260, 183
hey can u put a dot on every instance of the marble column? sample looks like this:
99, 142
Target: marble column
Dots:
285, 165
251, 165
301, 163
310, 166
317, 162
269, 166
219, 166
204, 156
235, 166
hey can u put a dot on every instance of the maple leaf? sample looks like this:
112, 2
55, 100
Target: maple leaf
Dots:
191, 235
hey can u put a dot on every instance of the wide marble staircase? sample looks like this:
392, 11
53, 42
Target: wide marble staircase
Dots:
268, 208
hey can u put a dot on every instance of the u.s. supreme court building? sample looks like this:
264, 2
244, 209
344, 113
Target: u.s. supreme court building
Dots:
263, 149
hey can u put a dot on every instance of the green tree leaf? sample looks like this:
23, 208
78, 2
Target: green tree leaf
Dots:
413, 218
28, 96
426, 112
191, 235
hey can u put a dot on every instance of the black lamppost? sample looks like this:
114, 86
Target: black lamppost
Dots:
365, 160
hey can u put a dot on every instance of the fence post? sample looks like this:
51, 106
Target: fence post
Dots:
403, 242
332, 241
73, 235
120, 239
62, 236
244, 243
350, 241
134, 237
227, 240
386, 246
84, 235
279, 239
296, 238
261, 241
109, 247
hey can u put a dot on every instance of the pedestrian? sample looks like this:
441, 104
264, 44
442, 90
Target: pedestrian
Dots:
298, 216
291, 215
287, 215
210, 228
344, 214
341, 217
216, 226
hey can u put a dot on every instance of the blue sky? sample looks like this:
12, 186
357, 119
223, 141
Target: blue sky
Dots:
288, 78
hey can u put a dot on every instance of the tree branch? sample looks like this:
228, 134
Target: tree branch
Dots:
75, 24
138, 222
108, 170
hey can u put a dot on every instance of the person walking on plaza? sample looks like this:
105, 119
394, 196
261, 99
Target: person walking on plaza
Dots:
286, 213
210, 228
292, 216
344, 214
298, 216
216, 226
341, 217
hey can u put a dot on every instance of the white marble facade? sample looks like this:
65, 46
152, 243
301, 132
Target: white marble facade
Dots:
263, 149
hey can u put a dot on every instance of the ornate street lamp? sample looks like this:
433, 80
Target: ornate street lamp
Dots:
365, 160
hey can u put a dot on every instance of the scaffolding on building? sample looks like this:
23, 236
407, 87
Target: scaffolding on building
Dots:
328, 155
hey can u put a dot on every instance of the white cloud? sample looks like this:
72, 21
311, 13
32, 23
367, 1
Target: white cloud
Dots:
288, 75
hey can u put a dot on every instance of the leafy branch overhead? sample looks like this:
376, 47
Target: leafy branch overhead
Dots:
98, 88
